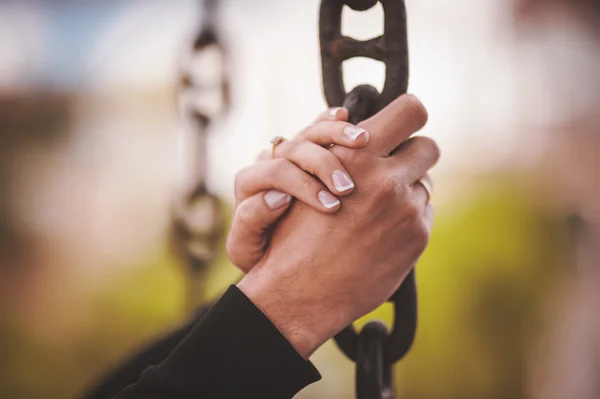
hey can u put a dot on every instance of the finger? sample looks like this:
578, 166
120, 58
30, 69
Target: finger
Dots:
422, 198
247, 239
394, 124
330, 132
318, 162
284, 176
427, 184
421, 190
326, 134
333, 114
412, 161
265, 155
428, 214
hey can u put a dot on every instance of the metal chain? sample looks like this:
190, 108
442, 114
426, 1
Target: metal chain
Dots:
203, 96
374, 350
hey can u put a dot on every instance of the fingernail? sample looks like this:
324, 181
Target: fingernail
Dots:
276, 199
342, 181
334, 111
328, 200
354, 132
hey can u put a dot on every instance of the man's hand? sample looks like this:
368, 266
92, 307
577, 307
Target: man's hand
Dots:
323, 271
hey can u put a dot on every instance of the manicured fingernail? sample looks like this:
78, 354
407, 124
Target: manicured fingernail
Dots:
354, 132
276, 199
328, 200
333, 112
342, 181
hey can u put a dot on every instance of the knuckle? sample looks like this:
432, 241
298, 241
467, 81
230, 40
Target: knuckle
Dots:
231, 249
239, 180
322, 126
244, 214
392, 188
331, 129
234, 252
413, 212
389, 185
423, 150
339, 152
322, 131
279, 168
326, 161
428, 180
416, 111
419, 229
347, 156
421, 234
428, 148
279, 163
313, 131
420, 245
308, 183
287, 148
237, 256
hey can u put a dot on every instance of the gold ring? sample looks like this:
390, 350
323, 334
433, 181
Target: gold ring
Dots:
427, 188
274, 143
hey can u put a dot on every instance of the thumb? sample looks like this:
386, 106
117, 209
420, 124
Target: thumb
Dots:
250, 227
394, 124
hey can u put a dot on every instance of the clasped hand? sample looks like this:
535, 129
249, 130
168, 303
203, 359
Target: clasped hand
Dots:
327, 233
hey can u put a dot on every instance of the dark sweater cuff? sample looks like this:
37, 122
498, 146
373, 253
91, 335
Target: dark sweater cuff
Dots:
236, 350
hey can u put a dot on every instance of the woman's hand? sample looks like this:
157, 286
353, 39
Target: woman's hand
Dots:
301, 168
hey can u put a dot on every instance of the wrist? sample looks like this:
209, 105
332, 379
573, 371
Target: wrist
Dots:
304, 320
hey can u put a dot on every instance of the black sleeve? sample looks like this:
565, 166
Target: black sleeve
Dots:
130, 371
234, 351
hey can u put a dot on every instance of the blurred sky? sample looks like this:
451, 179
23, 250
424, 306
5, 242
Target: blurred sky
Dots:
134, 45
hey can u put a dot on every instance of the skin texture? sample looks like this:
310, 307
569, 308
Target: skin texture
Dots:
321, 271
298, 168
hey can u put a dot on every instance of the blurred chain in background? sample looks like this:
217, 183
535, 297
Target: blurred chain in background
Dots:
198, 221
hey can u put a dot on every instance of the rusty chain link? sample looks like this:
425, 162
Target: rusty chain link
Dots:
391, 48
373, 350
203, 96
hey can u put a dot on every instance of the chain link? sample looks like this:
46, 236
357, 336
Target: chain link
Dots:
373, 350
203, 96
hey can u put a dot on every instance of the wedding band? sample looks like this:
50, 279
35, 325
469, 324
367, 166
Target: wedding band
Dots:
275, 141
427, 188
